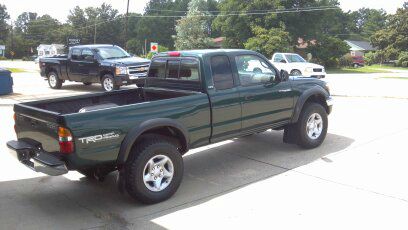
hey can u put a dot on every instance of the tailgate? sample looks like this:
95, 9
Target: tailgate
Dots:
38, 125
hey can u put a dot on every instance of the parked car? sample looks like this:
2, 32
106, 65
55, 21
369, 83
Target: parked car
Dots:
358, 61
297, 66
109, 65
191, 99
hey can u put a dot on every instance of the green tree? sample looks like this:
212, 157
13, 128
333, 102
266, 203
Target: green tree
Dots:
192, 30
368, 21
23, 21
327, 50
394, 38
269, 41
234, 22
4, 27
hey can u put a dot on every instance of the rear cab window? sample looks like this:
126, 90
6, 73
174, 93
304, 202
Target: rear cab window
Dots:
171, 72
221, 72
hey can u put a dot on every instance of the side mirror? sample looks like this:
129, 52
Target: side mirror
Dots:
284, 75
282, 61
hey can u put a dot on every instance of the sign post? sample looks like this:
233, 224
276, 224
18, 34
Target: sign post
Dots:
154, 47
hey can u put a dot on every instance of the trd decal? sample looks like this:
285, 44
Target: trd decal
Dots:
99, 138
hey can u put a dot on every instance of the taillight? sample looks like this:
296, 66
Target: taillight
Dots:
15, 120
65, 140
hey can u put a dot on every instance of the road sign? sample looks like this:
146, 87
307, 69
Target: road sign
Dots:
12, 53
154, 47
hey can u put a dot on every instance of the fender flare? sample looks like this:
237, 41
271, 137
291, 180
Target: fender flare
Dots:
136, 132
317, 90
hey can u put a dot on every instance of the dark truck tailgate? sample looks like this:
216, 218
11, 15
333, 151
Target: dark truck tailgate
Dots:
38, 125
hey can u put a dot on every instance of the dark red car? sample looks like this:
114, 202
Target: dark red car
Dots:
358, 61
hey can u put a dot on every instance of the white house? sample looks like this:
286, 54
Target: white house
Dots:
50, 50
358, 48
2, 50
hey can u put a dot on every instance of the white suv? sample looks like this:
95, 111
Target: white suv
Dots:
297, 66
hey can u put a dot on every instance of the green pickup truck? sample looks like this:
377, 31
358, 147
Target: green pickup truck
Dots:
190, 99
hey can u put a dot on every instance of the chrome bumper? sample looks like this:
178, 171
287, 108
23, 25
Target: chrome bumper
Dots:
36, 159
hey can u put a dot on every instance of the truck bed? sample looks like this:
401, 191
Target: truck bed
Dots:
104, 101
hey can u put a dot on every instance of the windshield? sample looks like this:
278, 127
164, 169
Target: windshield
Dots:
111, 52
294, 58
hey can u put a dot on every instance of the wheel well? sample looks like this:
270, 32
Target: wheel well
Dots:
103, 73
295, 70
48, 70
173, 134
319, 99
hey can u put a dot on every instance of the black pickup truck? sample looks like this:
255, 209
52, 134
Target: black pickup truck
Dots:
109, 65
191, 99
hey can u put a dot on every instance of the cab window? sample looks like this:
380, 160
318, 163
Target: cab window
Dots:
76, 54
254, 70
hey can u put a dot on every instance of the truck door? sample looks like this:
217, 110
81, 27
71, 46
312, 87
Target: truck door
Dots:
88, 67
73, 64
266, 101
225, 101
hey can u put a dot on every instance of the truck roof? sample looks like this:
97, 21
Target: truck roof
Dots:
202, 52
93, 46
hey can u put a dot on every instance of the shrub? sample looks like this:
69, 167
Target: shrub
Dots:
403, 57
371, 58
2, 58
404, 64
346, 60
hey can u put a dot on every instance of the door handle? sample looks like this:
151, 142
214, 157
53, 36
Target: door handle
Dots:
284, 90
249, 97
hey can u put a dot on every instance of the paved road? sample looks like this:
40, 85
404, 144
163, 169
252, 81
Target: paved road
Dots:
355, 180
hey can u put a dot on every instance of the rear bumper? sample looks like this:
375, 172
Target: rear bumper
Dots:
36, 159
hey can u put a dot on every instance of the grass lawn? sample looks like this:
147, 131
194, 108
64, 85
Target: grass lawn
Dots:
365, 69
16, 70
396, 78
377, 66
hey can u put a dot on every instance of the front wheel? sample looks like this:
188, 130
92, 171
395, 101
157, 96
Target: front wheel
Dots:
108, 83
154, 170
53, 81
312, 126
295, 72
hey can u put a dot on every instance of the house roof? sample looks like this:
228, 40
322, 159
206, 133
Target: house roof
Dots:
360, 45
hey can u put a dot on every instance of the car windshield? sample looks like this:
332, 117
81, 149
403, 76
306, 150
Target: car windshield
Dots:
294, 58
111, 52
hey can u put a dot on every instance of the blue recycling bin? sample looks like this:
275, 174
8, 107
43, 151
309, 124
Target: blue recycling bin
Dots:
6, 82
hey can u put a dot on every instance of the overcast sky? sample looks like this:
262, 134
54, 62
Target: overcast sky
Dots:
59, 8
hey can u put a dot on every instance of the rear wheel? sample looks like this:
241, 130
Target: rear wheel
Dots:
53, 81
108, 83
154, 170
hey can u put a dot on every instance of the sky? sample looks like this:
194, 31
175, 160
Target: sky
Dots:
60, 10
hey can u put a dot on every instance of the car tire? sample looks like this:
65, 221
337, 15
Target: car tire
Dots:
356, 65
53, 80
311, 128
295, 72
147, 178
108, 83
87, 83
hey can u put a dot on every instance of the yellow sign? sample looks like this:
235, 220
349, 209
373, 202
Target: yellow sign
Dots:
12, 53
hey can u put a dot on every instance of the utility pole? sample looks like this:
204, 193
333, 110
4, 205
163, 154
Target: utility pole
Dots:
126, 24
95, 32
12, 42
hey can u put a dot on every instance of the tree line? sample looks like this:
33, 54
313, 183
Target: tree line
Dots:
266, 26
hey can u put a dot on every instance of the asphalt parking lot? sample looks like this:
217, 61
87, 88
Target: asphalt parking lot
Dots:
355, 180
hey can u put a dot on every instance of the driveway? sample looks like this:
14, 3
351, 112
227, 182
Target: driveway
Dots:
355, 180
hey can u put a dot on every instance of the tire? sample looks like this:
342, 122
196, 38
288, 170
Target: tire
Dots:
53, 80
108, 83
295, 72
157, 186
356, 65
87, 83
311, 128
